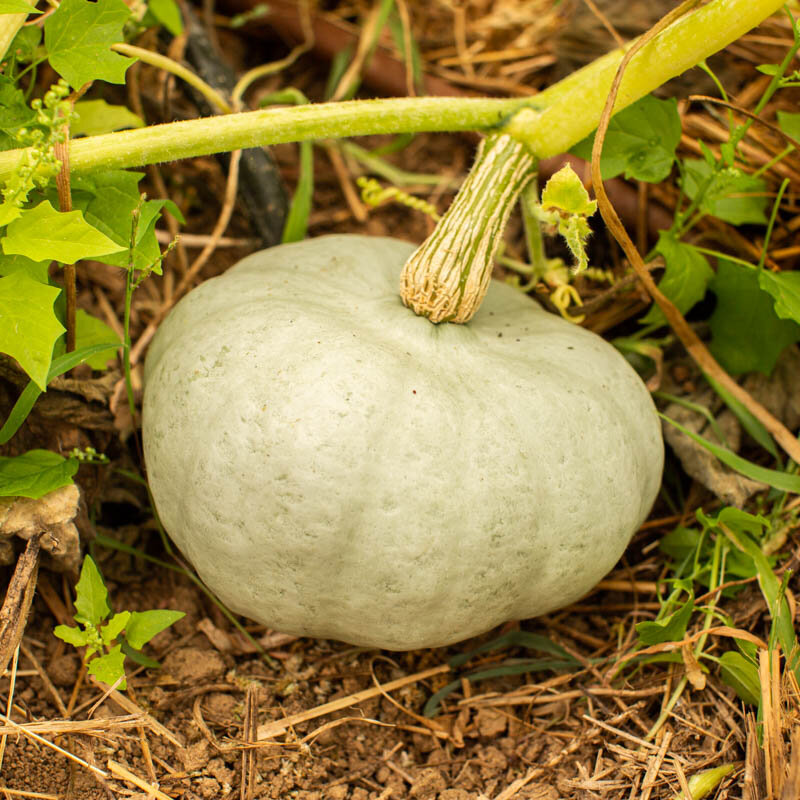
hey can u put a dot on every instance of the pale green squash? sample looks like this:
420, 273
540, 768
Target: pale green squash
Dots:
334, 465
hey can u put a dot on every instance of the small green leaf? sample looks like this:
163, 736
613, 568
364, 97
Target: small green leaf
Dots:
114, 627
680, 543
91, 601
74, 636
730, 194
144, 625
109, 668
91, 331
17, 7
685, 278
640, 141
78, 37
741, 675
669, 629
789, 123
28, 325
139, 658
26, 45
746, 333
15, 113
296, 225
36, 270
168, 14
35, 473
785, 289
565, 192
97, 116
44, 233
108, 200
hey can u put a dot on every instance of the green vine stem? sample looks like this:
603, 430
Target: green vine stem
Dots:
558, 118
446, 278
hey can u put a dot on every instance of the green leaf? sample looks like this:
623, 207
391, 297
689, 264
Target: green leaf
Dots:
640, 141
784, 481
144, 625
296, 225
17, 7
35, 473
168, 14
730, 194
680, 543
28, 325
741, 675
91, 601
746, 333
139, 658
566, 193
35, 270
15, 113
669, 629
26, 44
97, 116
44, 233
109, 668
8, 212
685, 278
108, 200
74, 636
785, 289
114, 627
90, 331
79, 36
789, 123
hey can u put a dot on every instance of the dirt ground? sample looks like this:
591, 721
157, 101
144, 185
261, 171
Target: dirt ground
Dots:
313, 719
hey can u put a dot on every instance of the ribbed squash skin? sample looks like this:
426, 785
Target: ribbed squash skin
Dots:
335, 466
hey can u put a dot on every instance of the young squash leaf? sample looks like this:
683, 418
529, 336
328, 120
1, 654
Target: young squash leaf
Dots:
640, 141
28, 325
78, 38
746, 333
35, 473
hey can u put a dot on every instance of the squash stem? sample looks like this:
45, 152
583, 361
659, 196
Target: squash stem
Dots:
446, 278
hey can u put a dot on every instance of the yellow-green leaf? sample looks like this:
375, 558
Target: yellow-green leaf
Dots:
28, 325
